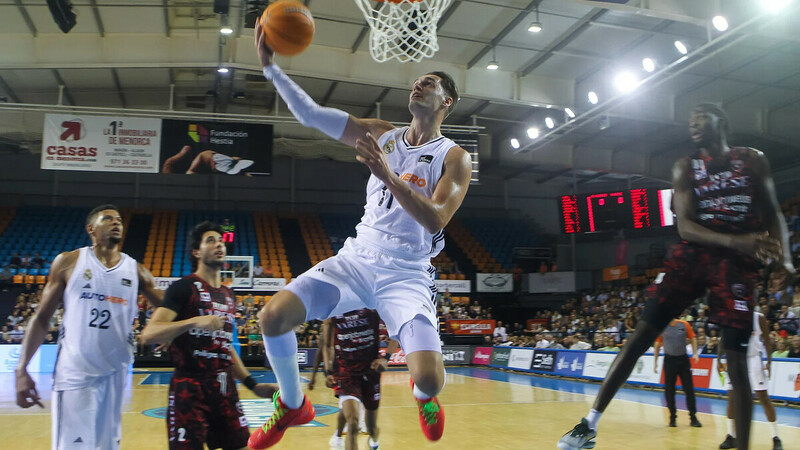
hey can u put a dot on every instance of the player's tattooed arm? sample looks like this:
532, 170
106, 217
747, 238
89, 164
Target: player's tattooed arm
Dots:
147, 286
771, 213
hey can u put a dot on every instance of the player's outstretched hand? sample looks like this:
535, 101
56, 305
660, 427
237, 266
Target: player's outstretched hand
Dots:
265, 390
379, 364
210, 323
370, 154
27, 395
265, 54
759, 246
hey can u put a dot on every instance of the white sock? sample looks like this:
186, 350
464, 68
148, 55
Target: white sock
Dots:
774, 426
732, 428
282, 353
373, 443
419, 394
593, 417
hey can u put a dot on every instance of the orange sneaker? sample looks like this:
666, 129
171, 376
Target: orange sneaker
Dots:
272, 431
431, 417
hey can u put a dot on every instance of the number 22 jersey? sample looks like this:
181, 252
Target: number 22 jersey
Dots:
96, 335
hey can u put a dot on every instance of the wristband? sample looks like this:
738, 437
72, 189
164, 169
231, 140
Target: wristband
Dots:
249, 382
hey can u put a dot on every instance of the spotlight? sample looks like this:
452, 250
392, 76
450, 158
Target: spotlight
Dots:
774, 5
720, 23
570, 113
222, 70
493, 65
549, 122
593, 97
533, 132
515, 143
626, 82
648, 64
536, 26
681, 47
226, 30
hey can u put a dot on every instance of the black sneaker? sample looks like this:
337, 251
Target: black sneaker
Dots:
695, 423
776, 443
673, 423
729, 442
580, 437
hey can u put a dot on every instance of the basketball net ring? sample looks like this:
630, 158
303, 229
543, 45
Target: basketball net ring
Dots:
404, 30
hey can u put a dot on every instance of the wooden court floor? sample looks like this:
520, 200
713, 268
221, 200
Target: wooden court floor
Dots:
485, 409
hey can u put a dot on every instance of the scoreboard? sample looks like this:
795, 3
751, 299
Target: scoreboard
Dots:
636, 209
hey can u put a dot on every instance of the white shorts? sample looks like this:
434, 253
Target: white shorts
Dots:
366, 277
89, 418
758, 375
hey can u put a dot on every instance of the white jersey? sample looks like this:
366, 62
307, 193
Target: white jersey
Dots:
96, 335
385, 223
756, 347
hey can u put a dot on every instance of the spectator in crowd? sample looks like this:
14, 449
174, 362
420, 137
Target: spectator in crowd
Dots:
500, 331
781, 351
37, 262
26, 261
543, 267
580, 343
268, 271
15, 262
610, 345
794, 351
711, 347
258, 271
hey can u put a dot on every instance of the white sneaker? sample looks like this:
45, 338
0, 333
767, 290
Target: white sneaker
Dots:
336, 442
374, 445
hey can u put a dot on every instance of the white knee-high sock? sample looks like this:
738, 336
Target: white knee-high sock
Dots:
282, 353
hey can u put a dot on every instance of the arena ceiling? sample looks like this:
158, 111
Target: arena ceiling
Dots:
160, 57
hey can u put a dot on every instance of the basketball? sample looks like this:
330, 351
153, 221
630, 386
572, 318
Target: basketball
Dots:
288, 27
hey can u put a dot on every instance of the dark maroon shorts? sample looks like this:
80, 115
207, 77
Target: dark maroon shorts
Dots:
365, 387
729, 279
205, 410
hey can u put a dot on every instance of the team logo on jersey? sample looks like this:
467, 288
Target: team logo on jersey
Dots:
87, 275
738, 290
426, 159
126, 282
88, 286
737, 165
388, 147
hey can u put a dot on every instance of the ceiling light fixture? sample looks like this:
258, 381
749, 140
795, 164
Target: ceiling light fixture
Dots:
681, 47
493, 64
549, 122
535, 27
593, 99
533, 132
649, 65
515, 143
720, 23
570, 113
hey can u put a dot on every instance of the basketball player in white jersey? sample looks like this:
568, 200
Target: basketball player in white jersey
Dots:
419, 179
99, 286
759, 379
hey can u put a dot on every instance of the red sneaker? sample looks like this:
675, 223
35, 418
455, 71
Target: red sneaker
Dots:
431, 417
272, 431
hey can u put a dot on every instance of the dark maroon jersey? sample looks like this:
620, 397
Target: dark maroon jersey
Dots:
725, 191
356, 339
201, 351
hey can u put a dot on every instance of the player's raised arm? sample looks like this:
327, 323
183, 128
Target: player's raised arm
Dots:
333, 122
147, 286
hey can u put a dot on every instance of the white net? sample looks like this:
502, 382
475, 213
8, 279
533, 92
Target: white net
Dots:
403, 29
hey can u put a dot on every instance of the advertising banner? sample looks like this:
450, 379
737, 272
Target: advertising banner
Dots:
785, 380
43, 361
305, 357
454, 355
570, 363
500, 357
494, 282
259, 284
597, 364
454, 286
544, 360
226, 148
482, 356
482, 326
520, 358
101, 143
643, 370
551, 282
615, 273
702, 372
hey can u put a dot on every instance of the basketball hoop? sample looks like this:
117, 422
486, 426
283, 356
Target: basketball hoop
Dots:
403, 29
